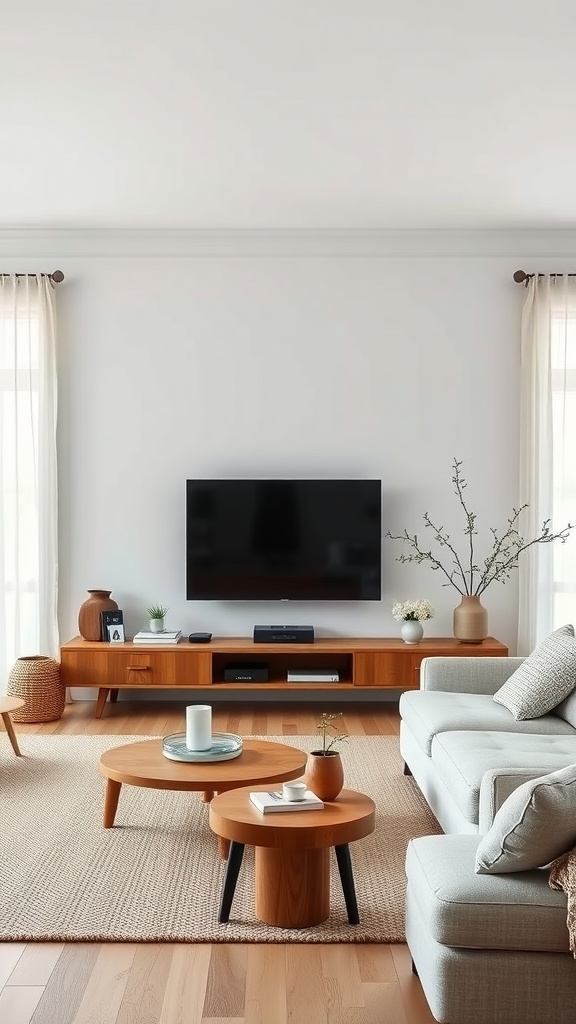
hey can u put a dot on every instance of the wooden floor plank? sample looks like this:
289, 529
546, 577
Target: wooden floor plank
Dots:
375, 962
18, 1003
107, 984
65, 989
146, 986
305, 989
186, 985
10, 953
341, 974
36, 963
265, 1001
226, 986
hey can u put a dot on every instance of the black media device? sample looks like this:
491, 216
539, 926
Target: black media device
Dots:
200, 638
253, 672
283, 634
283, 540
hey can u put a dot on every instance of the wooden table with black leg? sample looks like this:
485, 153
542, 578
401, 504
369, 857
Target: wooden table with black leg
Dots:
292, 855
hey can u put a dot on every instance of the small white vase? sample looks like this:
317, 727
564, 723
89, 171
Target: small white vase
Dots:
412, 631
156, 625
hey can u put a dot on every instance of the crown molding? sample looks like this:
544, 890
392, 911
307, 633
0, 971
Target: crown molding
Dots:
28, 243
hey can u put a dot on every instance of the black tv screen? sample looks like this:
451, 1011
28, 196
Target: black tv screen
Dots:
300, 540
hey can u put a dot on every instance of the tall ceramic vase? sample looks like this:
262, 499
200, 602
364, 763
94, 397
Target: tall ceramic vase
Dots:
324, 774
470, 620
89, 623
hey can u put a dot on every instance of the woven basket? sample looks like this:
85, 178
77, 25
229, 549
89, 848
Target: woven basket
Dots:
37, 681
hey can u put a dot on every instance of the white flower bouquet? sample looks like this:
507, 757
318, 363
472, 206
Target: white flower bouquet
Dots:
412, 611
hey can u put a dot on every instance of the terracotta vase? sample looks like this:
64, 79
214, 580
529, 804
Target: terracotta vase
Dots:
89, 623
470, 620
324, 774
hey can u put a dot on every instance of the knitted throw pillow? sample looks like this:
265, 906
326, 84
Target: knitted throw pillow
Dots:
544, 679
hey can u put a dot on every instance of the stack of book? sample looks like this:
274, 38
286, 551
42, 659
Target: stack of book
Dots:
167, 636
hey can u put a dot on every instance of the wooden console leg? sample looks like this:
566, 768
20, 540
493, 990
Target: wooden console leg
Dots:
111, 801
11, 734
113, 696
102, 695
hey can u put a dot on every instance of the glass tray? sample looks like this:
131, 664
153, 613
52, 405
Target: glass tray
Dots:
225, 746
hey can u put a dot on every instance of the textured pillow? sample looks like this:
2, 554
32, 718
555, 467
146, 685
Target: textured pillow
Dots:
534, 825
544, 679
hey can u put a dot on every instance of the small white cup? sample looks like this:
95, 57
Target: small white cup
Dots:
293, 790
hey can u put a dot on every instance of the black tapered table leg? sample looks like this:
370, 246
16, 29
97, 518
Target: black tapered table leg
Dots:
347, 879
235, 855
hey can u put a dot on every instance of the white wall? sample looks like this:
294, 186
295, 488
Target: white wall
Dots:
280, 360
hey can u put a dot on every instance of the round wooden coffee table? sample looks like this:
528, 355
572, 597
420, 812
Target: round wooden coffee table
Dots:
143, 764
292, 854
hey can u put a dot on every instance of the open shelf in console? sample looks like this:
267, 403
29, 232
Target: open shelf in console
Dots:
279, 662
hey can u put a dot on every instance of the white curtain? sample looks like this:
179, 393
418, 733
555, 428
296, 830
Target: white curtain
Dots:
547, 572
28, 480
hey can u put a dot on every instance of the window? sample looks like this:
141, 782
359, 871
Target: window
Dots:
28, 491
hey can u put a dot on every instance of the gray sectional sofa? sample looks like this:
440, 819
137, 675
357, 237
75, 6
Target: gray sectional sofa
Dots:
488, 948
452, 732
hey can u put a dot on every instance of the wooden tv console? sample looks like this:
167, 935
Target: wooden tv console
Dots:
362, 662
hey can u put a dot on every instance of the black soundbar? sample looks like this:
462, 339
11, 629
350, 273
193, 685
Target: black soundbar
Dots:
283, 634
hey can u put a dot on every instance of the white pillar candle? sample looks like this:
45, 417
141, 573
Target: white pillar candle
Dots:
198, 727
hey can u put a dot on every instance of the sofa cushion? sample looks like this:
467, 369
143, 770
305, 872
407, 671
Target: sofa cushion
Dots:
462, 759
544, 679
428, 712
462, 908
567, 709
536, 824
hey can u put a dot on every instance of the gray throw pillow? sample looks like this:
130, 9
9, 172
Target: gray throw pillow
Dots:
534, 825
543, 679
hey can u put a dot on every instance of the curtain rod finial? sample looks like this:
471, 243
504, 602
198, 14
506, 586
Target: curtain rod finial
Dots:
57, 276
520, 276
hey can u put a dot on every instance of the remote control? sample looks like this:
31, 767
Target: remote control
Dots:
200, 638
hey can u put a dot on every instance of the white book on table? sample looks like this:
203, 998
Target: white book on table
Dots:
272, 801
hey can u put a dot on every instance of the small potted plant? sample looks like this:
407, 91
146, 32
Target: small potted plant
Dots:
324, 774
156, 614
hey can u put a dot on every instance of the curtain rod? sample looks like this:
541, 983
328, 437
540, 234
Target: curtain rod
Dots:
57, 276
521, 277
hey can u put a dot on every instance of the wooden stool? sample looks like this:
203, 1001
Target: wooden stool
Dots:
8, 704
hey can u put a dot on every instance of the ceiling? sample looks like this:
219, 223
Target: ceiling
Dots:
271, 114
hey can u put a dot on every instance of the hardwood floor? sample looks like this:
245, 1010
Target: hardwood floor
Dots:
125, 983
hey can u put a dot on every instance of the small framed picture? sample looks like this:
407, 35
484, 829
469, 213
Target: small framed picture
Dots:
115, 617
116, 633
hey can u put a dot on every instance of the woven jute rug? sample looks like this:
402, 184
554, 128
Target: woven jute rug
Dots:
156, 876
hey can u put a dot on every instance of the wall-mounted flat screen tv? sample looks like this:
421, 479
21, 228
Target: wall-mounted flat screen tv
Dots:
277, 540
